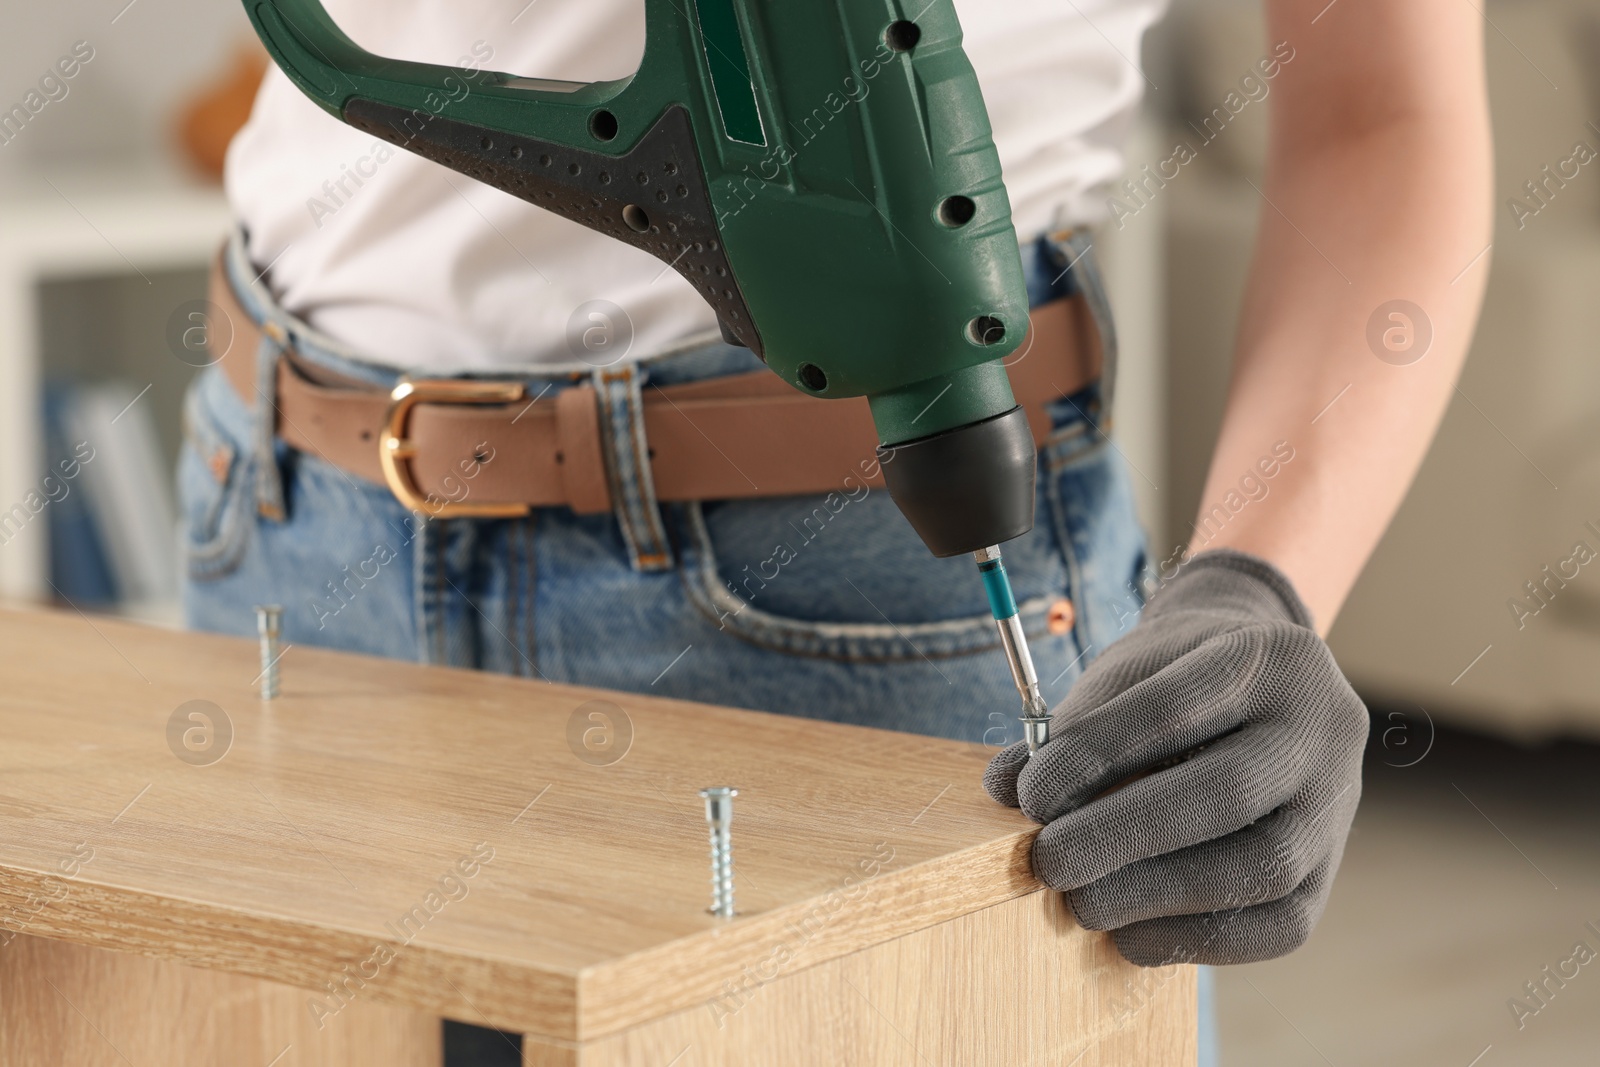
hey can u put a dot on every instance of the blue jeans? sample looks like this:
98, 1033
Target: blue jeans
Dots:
828, 607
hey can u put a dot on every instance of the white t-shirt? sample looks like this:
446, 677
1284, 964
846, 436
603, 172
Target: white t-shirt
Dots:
418, 266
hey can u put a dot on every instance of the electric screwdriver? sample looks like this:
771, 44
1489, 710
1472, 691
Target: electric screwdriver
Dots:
824, 176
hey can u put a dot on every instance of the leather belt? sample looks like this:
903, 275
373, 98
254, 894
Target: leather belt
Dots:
737, 436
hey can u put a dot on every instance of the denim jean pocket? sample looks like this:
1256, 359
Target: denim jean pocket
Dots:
214, 478
843, 576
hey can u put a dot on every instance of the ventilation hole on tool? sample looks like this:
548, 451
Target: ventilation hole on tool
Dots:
516, 151
636, 219
603, 124
487, 143
902, 36
812, 378
986, 330
957, 211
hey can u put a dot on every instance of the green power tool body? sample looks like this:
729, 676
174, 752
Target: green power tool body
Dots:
824, 175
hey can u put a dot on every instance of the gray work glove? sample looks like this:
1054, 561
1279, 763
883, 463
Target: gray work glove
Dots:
1244, 744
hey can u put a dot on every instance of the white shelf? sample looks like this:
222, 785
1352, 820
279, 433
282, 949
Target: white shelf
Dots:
129, 219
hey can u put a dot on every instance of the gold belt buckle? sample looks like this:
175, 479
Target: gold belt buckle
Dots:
395, 450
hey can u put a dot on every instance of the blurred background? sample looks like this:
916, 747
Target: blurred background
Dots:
1472, 874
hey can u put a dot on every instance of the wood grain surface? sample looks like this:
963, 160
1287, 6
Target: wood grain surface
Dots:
1019, 984
329, 847
64, 1004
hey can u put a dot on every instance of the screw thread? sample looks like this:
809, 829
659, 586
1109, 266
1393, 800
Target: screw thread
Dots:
721, 871
719, 818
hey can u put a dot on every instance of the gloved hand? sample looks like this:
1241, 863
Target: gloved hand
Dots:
1244, 744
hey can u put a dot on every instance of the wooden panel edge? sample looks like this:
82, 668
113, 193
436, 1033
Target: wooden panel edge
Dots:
1102, 1010
335, 967
696, 970
69, 1003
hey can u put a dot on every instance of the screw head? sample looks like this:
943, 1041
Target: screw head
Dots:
719, 802
269, 618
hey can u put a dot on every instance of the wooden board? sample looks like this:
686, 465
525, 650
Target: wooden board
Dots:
325, 849
1016, 985
66, 1004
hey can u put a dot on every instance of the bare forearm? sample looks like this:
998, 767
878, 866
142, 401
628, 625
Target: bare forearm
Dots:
1393, 205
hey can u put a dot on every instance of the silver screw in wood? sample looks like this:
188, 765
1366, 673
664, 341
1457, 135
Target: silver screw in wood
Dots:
719, 817
269, 624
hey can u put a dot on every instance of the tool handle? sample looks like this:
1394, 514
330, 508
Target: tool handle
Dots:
822, 173
334, 71
627, 157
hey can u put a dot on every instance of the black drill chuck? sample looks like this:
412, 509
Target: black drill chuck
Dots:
965, 488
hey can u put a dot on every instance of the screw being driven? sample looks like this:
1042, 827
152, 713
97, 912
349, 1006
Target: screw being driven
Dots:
269, 623
719, 816
1035, 712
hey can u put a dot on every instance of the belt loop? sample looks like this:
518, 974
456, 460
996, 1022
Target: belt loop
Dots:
627, 455
581, 452
422, 536
1075, 256
269, 480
